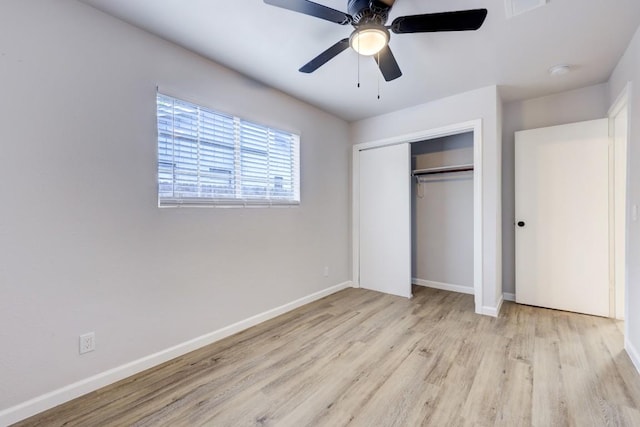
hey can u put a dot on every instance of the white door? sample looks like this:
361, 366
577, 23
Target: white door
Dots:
385, 219
562, 217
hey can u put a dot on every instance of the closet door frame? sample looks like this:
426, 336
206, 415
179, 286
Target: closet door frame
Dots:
474, 126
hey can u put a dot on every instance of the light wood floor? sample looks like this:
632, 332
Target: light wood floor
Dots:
361, 358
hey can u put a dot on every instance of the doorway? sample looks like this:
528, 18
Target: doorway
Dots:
610, 187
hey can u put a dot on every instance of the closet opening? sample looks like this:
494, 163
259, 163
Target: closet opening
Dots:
385, 253
442, 213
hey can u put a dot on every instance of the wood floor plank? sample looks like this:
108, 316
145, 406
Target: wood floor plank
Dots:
482, 403
361, 358
514, 402
404, 391
549, 394
446, 408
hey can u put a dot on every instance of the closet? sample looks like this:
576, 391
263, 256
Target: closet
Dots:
442, 213
417, 212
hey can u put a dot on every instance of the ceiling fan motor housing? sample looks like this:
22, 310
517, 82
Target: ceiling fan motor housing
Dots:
368, 12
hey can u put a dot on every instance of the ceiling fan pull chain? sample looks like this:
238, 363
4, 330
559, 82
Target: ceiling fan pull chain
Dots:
378, 74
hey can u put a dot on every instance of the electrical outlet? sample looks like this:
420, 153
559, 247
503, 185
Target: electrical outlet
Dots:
326, 272
87, 342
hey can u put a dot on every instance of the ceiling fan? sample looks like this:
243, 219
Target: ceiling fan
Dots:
371, 34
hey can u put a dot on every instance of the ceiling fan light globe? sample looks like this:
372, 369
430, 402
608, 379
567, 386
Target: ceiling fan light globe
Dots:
369, 41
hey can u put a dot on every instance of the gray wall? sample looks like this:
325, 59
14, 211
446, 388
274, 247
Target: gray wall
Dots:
568, 107
628, 70
83, 246
443, 212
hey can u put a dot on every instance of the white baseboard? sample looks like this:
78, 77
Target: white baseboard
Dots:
493, 311
443, 286
508, 296
633, 353
54, 398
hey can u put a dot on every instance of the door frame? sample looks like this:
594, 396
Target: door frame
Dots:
474, 126
622, 102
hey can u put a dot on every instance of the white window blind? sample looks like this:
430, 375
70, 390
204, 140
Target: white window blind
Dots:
210, 158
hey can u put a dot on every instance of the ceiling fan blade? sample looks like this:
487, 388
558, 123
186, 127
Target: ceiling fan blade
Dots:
325, 56
462, 20
312, 9
388, 65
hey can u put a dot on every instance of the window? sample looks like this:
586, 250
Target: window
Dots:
210, 158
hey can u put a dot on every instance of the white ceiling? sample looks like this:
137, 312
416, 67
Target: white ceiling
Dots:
270, 44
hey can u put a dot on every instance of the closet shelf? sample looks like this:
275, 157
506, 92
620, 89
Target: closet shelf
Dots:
443, 169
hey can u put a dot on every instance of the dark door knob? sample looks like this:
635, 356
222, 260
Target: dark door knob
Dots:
520, 223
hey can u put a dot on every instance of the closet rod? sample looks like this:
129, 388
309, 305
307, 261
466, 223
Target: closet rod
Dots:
444, 169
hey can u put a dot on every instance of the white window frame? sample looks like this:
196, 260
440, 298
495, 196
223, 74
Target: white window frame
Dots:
262, 163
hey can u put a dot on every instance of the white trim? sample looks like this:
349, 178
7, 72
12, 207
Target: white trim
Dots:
49, 400
621, 101
478, 216
633, 353
474, 126
422, 135
611, 220
355, 217
443, 286
508, 296
493, 311
624, 100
